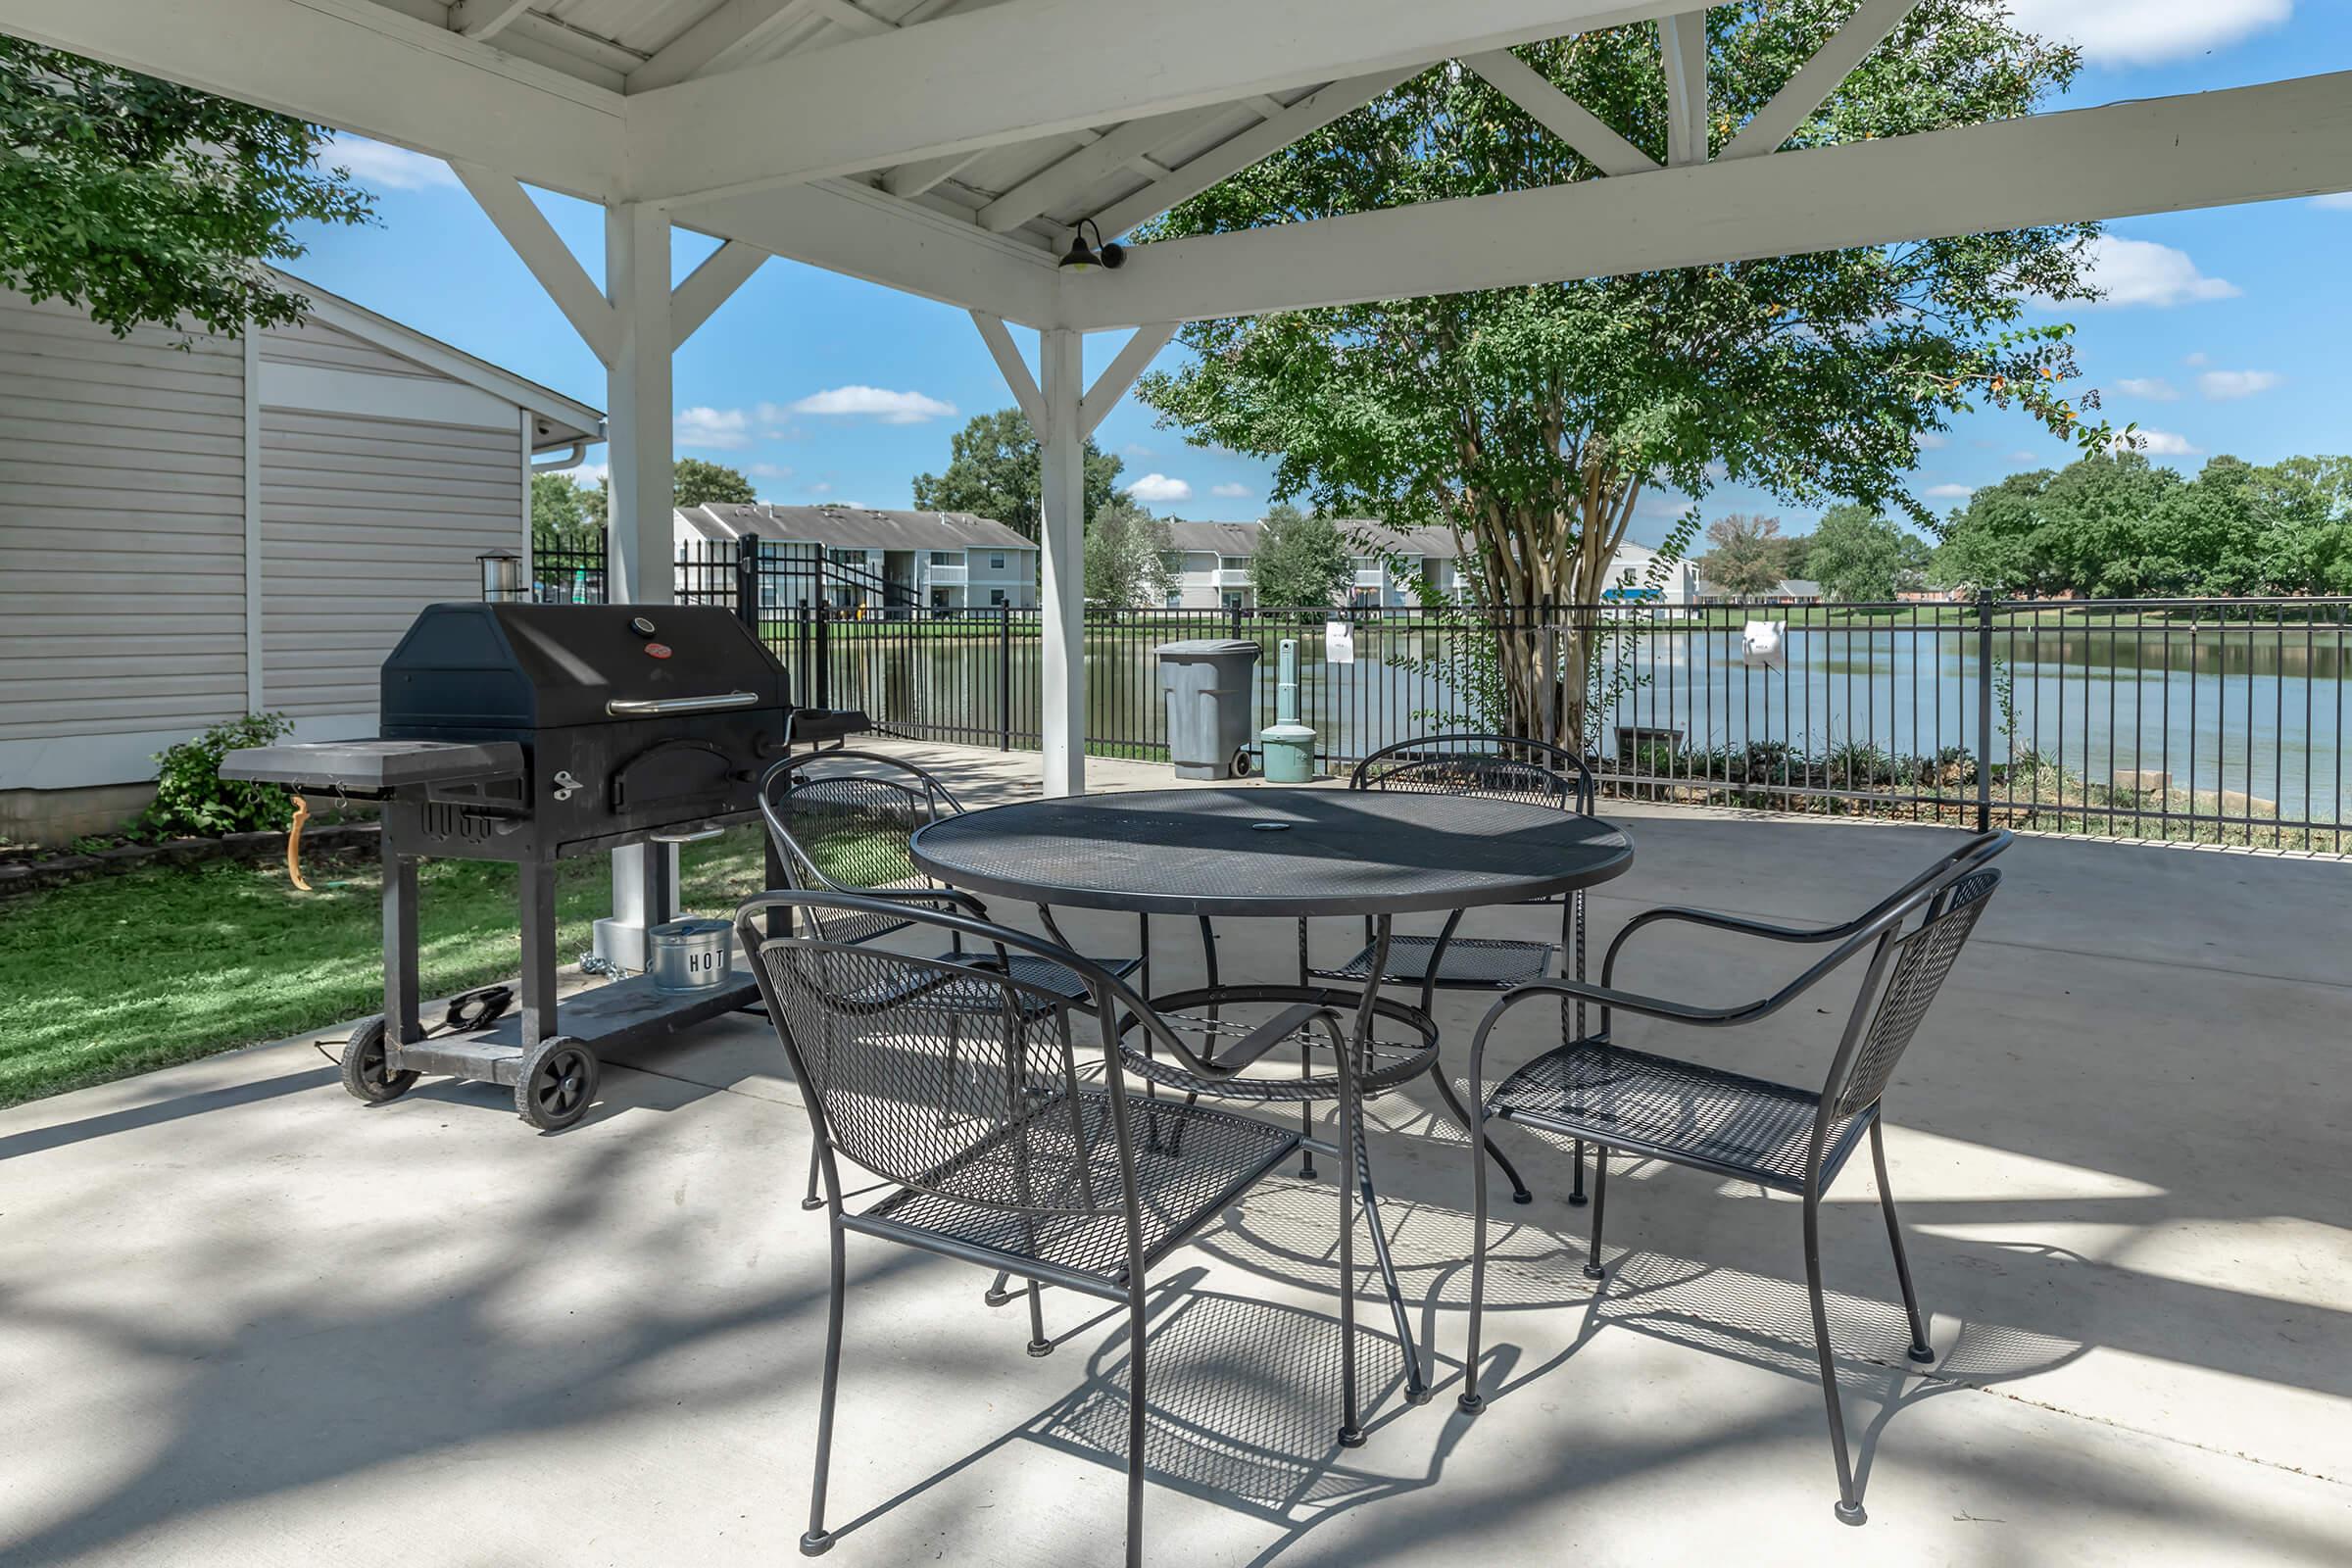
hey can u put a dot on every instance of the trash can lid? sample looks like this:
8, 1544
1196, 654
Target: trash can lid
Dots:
1208, 648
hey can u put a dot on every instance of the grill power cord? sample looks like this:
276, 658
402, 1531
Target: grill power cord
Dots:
468, 1010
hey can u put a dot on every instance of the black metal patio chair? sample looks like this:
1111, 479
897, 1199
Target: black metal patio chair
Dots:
841, 820
1019, 1165
1494, 768
1781, 1137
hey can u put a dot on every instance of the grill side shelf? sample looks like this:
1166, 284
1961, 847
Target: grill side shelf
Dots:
374, 770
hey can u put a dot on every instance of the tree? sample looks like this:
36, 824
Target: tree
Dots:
146, 203
566, 515
1301, 559
993, 472
1862, 558
1744, 553
1533, 419
1127, 556
695, 483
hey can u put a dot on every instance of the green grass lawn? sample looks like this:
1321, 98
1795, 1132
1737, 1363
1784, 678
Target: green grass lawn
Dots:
124, 973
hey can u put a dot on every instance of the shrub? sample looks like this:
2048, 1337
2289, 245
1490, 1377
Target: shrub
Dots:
192, 798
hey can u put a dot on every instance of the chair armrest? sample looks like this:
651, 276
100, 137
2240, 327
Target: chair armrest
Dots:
1721, 922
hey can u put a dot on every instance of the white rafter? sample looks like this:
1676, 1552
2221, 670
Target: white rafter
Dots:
1683, 50
913, 179
1263, 140
850, 17
1048, 190
485, 19
1560, 114
1818, 77
1026, 69
2159, 155
729, 31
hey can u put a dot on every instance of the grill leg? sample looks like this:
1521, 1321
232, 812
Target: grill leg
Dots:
400, 1023
537, 880
1849, 1505
1921, 1352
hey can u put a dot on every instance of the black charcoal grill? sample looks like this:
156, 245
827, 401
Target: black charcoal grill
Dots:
528, 733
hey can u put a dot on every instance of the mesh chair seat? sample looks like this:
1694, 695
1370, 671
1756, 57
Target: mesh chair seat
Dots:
1190, 1162
1750, 1128
1470, 964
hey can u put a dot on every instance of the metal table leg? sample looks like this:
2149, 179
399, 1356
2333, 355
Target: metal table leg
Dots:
1416, 1387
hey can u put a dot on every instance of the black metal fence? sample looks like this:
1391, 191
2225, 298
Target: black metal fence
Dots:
2216, 720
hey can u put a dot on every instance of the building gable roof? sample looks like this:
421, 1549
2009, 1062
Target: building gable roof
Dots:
853, 527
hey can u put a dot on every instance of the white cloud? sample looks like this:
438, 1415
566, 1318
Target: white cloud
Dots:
2144, 32
2022, 458
380, 166
2141, 272
2224, 386
1931, 441
718, 429
2198, 358
1948, 492
1159, 487
1231, 492
2156, 443
2154, 388
891, 408
1136, 449
2338, 201
769, 470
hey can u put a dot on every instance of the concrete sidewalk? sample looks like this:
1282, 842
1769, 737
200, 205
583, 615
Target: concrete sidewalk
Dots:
246, 1321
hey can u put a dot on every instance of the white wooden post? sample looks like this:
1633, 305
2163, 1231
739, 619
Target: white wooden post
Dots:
645, 877
1061, 543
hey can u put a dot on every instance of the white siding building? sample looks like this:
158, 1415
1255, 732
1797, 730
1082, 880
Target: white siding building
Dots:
193, 528
877, 560
1387, 566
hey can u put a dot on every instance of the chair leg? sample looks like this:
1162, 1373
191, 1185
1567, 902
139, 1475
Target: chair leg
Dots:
1416, 1388
1470, 1399
1039, 1345
1136, 1409
1921, 1352
1850, 1506
818, 1541
1352, 1430
1307, 1069
1453, 1102
1576, 1186
997, 1295
812, 1201
1600, 1199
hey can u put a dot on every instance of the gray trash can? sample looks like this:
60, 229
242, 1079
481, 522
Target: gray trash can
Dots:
1210, 686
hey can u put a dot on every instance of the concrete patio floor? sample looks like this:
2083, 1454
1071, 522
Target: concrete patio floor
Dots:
244, 1320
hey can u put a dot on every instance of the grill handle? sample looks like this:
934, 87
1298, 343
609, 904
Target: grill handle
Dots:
654, 707
694, 837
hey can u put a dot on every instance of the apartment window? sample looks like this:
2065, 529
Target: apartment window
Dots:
996, 598
1232, 563
995, 563
946, 557
846, 557
1175, 598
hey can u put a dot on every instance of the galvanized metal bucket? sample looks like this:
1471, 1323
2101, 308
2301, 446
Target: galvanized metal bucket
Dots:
683, 956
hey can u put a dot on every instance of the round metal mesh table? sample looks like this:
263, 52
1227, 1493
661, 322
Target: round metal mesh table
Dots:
1250, 851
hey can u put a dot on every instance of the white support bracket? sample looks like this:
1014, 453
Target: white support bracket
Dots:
1013, 369
1562, 114
710, 285
1683, 47
515, 215
1120, 374
1818, 77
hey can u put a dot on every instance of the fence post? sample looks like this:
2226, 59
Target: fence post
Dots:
1985, 712
1005, 679
824, 655
747, 582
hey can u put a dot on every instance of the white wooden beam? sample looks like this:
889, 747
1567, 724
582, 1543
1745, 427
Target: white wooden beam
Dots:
1262, 141
1062, 552
1682, 49
1050, 188
729, 30
639, 446
515, 215
359, 67
2160, 155
1026, 69
1560, 114
710, 285
852, 18
1013, 369
485, 19
913, 179
847, 227
1120, 374
1818, 77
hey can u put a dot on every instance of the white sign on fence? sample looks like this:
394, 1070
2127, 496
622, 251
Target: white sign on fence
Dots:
1764, 645
1339, 643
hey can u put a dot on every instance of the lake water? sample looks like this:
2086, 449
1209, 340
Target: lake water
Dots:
2256, 709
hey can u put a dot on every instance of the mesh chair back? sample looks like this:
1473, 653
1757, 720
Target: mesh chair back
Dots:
911, 1073
843, 820
1921, 961
1495, 766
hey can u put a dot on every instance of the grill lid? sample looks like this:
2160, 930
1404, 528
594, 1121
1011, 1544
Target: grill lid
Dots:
523, 667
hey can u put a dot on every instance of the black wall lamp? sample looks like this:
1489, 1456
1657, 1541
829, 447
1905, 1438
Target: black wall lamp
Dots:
1081, 257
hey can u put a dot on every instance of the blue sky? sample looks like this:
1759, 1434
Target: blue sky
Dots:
2226, 333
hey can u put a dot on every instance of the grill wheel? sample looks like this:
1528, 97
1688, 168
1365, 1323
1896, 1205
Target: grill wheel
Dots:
364, 1073
557, 1085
